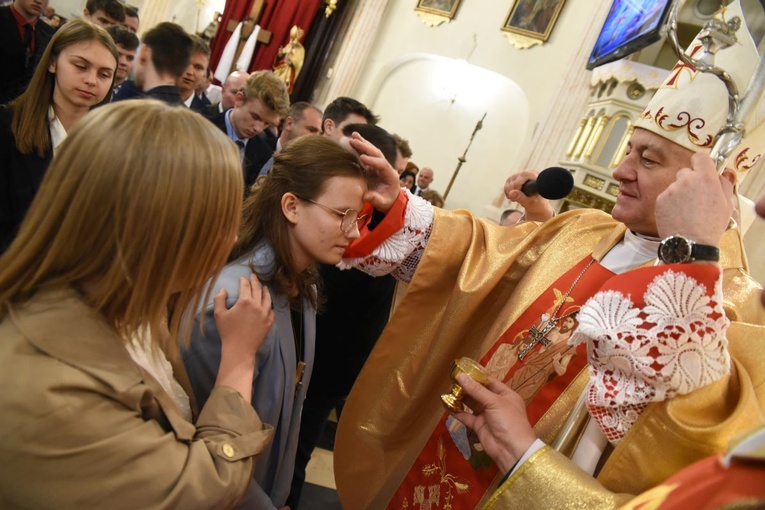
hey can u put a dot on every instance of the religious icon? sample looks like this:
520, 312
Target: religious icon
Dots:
208, 34
445, 8
549, 361
289, 59
533, 18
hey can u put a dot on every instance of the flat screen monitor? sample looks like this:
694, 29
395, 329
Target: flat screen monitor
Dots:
630, 26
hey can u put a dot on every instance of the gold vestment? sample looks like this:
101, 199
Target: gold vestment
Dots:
474, 280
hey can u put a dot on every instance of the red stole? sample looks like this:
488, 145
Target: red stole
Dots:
450, 471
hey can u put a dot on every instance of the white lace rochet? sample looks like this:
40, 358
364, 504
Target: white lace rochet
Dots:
671, 346
400, 254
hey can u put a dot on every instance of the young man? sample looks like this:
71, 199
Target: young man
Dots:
342, 111
131, 18
194, 75
104, 13
261, 103
163, 56
127, 45
666, 379
22, 42
302, 119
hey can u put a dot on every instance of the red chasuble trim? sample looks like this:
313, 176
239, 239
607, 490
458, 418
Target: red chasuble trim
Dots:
371, 239
452, 470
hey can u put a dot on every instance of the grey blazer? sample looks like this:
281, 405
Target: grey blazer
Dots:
273, 388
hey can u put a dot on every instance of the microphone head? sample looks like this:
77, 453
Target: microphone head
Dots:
555, 183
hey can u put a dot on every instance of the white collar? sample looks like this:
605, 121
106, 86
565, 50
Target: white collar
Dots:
633, 251
57, 131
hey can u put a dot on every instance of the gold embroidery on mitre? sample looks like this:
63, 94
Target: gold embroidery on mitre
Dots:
683, 120
743, 162
432, 498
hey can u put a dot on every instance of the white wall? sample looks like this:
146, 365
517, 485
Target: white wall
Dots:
408, 101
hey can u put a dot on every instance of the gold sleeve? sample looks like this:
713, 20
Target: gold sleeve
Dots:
547, 480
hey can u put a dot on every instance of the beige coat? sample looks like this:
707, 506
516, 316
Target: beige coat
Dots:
84, 427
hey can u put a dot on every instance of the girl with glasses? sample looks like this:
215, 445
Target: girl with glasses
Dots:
304, 213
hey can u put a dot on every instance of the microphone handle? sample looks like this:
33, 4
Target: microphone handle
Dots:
529, 188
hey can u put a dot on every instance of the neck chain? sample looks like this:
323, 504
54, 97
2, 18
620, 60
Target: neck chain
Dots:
297, 334
539, 334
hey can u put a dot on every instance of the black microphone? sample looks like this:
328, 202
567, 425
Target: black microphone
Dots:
552, 183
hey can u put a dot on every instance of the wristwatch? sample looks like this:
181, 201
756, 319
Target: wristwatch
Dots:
678, 250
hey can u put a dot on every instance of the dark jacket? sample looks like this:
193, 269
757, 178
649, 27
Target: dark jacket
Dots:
165, 93
20, 178
256, 152
16, 70
199, 103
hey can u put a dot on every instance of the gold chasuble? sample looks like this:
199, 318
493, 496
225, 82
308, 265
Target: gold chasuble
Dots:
478, 291
519, 358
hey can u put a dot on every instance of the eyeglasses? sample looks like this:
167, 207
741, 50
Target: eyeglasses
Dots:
349, 217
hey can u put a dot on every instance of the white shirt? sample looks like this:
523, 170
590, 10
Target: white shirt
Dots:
57, 131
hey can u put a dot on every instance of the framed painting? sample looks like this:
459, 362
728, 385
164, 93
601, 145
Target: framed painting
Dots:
445, 8
533, 18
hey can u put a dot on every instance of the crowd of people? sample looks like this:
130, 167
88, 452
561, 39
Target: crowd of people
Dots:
189, 288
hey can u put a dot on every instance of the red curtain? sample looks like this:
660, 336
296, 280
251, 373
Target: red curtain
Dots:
236, 10
278, 17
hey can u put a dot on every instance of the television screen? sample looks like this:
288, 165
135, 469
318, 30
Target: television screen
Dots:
631, 25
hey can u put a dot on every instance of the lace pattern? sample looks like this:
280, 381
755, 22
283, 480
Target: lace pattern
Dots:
638, 354
400, 254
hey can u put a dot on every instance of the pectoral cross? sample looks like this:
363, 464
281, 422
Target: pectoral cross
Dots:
537, 337
264, 36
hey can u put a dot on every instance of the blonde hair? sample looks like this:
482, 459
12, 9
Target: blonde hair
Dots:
30, 109
265, 86
139, 208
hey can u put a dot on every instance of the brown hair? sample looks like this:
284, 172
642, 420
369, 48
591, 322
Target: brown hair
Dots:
112, 8
434, 197
170, 48
402, 144
199, 46
30, 110
268, 88
302, 168
142, 202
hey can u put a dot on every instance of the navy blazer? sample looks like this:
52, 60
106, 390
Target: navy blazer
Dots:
256, 152
20, 178
199, 103
17, 72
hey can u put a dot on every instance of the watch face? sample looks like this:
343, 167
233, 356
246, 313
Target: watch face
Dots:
675, 250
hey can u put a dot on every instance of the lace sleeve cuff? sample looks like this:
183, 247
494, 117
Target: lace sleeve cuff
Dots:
399, 254
661, 335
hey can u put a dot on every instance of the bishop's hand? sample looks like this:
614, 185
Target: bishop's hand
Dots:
499, 419
698, 204
537, 207
384, 185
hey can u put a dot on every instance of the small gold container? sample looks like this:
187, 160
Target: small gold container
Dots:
453, 400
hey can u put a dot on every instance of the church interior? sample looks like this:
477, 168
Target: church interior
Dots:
477, 95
